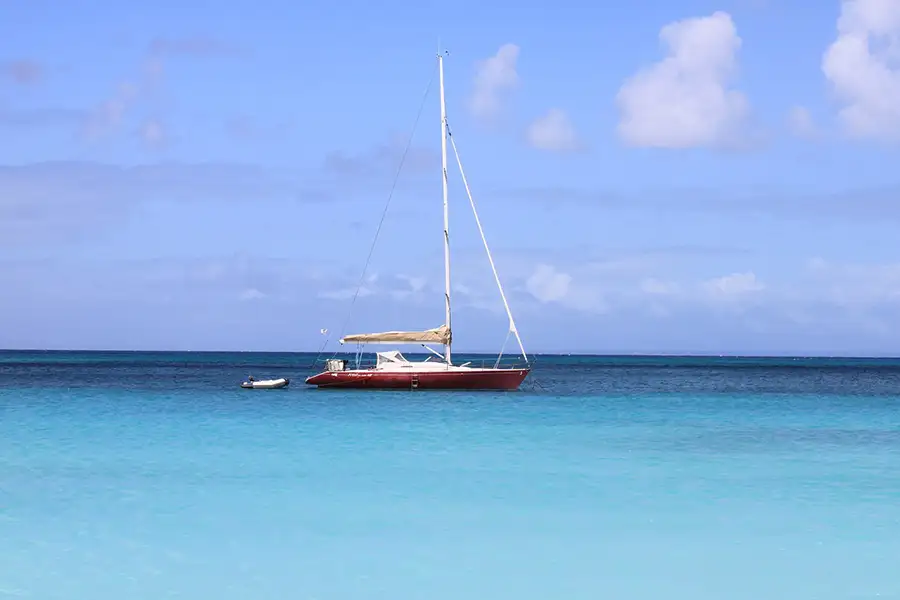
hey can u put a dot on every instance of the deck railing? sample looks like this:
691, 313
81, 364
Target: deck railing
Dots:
480, 362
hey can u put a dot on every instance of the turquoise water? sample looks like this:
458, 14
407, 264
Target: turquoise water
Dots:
152, 475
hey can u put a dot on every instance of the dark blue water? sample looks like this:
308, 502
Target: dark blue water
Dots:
150, 475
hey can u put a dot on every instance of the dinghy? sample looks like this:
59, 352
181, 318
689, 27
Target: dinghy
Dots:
265, 384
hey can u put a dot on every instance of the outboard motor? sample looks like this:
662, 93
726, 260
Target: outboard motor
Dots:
335, 364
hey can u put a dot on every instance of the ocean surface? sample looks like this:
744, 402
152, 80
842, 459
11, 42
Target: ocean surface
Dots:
152, 475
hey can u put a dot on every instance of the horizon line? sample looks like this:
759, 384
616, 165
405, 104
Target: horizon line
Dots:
687, 354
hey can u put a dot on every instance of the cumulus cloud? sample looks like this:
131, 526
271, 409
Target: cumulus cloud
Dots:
553, 132
686, 100
495, 77
547, 284
862, 67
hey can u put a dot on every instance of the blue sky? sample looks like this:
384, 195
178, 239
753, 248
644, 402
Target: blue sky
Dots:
652, 176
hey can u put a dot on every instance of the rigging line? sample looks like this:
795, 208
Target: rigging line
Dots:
387, 204
502, 349
512, 322
319, 353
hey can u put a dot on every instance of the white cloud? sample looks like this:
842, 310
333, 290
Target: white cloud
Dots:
801, 124
733, 286
685, 100
553, 132
815, 295
494, 78
862, 67
547, 284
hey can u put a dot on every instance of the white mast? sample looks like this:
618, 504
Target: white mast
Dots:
446, 211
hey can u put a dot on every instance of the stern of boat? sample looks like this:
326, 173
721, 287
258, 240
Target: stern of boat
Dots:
332, 366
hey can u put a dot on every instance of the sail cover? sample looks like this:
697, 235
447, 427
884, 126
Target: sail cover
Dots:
440, 335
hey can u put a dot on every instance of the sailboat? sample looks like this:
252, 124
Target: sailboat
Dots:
392, 370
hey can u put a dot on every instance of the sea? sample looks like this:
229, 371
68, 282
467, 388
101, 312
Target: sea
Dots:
127, 475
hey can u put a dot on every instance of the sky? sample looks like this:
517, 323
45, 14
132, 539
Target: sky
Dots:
677, 176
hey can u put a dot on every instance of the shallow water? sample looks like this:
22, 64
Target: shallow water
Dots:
151, 475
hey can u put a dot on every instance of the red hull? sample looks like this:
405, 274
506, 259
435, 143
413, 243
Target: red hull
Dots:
474, 379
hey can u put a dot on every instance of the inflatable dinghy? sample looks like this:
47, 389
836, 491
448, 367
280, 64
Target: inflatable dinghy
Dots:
265, 384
